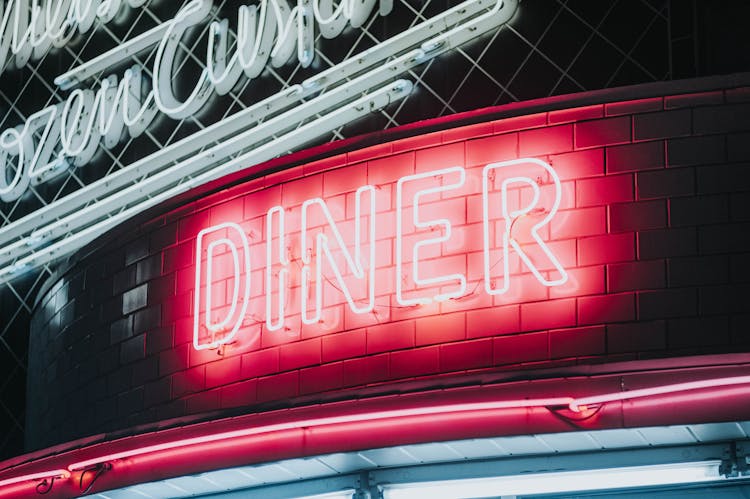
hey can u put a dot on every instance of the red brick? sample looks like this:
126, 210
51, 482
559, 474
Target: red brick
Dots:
740, 94
635, 157
662, 124
344, 180
260, 363
690, 151
577, 342
278, 178
321, 378
605, 190
183, 331
522, 288
636, 337
325, 164
606, 308
666, 183
721, 119
633, 106
606, 249
133, 349
576, 114
578, 164
200, 357
162, 237
520, 348
366, 370
699, 210
445, 156
184, 281
175, 408
440, 328
302, 189
667, 242
415, 362
698, 270
390, 169
416, 142
344, 345
299, 354
173, 360
278, 387
581, 281
178, 257
640, 215
493, 321
203, 402
738, 147
520, 122
632, 276
189, 226
239, 394
724, 299
223, 372
161, 289
491, 149
467, 132
190, 381
602, 132
157, 392
258, 203
697, 333
693, 100
393, 336
667, 303
368, 153
730, 238
466, 355
231, 210
548, 314
545, 141
578, 223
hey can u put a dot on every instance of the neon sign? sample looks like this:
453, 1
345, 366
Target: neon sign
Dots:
35, 29
509, 192
269, 33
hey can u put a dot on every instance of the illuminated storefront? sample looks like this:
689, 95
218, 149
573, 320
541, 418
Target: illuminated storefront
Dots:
535, 298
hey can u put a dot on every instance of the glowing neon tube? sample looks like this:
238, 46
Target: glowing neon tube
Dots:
336, 118
560, 481
35, 476
323, 421
578, 403
573, 404
380, 415
452, 20
110, 58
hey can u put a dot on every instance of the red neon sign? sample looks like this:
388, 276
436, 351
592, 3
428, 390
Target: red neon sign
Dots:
407, 242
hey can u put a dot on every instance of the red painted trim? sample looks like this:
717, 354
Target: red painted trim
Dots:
508, 409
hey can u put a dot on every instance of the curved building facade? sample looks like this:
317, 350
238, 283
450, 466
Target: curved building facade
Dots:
538, 297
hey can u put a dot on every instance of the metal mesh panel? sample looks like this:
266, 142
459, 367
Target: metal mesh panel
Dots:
551, 47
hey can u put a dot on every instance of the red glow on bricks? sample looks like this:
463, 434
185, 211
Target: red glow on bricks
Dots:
630, 232
319, 266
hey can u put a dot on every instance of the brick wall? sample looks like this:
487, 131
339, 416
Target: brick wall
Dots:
653, 229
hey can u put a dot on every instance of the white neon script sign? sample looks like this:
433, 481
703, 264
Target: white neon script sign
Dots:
501, 183
72, 132
28, 30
